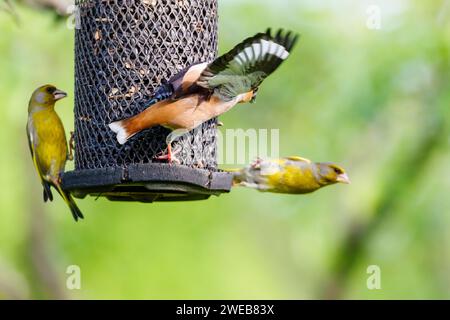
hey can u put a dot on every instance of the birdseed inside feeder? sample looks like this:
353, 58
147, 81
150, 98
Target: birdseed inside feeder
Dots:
123, 51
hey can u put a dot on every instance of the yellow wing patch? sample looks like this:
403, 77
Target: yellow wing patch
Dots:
296, 158
33, 153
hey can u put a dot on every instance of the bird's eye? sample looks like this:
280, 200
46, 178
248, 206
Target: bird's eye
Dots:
50, 90
337, 170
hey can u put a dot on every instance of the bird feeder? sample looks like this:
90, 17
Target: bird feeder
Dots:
124, 49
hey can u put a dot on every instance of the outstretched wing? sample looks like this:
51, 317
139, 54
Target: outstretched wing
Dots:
31, 143
245, 67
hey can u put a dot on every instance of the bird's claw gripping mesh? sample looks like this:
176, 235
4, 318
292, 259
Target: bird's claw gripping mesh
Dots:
123, 50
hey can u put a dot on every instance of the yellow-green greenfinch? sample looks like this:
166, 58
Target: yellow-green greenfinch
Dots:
48, 144
293, 175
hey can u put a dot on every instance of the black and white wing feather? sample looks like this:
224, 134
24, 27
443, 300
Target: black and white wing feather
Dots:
246, 66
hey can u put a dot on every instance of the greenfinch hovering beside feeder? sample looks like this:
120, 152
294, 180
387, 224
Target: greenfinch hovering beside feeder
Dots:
291, 175
48, 144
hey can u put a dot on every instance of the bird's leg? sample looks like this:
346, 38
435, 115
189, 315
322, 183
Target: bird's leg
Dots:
169, 155
71, 146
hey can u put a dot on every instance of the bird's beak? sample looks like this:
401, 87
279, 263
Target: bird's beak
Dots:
58, 95
343, 178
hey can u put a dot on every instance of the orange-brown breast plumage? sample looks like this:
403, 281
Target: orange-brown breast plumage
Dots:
185, 113
206, 90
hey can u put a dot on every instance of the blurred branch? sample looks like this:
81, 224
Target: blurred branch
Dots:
407, 173
13, 285
44, 277
39, 255
443, 13
402, 178
43, 267
8, 7
60, 7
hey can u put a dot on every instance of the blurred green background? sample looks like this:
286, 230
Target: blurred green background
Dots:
375, 101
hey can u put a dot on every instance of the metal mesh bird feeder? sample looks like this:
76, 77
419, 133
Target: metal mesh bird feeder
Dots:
124, 49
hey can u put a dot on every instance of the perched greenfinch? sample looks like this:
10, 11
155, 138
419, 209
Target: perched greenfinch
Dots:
48, 144
292, 175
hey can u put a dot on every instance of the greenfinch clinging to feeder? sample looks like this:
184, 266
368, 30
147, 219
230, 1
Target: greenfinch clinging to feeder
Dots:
48, 144
291, 175
207, 90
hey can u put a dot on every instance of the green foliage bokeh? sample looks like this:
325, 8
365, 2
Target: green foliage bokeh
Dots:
375, 101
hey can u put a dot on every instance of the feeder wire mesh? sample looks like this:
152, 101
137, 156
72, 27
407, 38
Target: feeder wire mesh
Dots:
124, 49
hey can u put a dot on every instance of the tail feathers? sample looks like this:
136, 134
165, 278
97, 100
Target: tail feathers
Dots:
123, 130
76, 213
48, 196
237, 176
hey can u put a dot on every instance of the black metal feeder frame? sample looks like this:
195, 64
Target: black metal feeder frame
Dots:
124, 49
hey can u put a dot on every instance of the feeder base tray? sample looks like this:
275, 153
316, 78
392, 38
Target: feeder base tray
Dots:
147, 183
